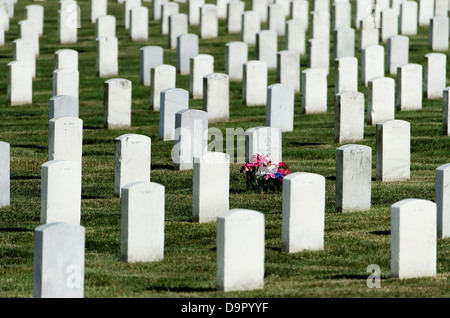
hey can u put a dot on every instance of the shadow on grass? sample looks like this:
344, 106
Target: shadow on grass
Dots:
179, 289
333, 178
238, 190
30, 146
296, 143
385, 232
94, 197
15, 229
162, 167
349, 276
25, 177
90, 141
93, 127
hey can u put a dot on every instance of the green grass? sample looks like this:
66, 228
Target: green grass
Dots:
353, 241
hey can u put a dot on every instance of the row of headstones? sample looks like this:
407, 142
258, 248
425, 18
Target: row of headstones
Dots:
106, 64
344, 34
142, 221
344, 39
298, 12
336, 126
25, 50
68, 145
403, 19
59, 247
202, 14
22, 71
133, 154
173, 23
408, 89
197, 66
6, 14
409, 84
279, 98
52, 171
269, 37
65, 81
106, 24
384, 94
400, 18
392, 65
191, 137
286, 59
421, 262
65, 132
212, 87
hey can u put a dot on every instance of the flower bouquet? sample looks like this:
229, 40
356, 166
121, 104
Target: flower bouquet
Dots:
262, 175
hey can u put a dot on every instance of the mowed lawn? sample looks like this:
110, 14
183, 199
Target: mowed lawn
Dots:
353, 241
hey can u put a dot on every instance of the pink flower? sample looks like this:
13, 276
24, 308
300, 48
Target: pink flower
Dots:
269, 175
260, 170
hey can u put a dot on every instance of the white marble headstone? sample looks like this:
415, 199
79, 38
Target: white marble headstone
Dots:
240, 240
